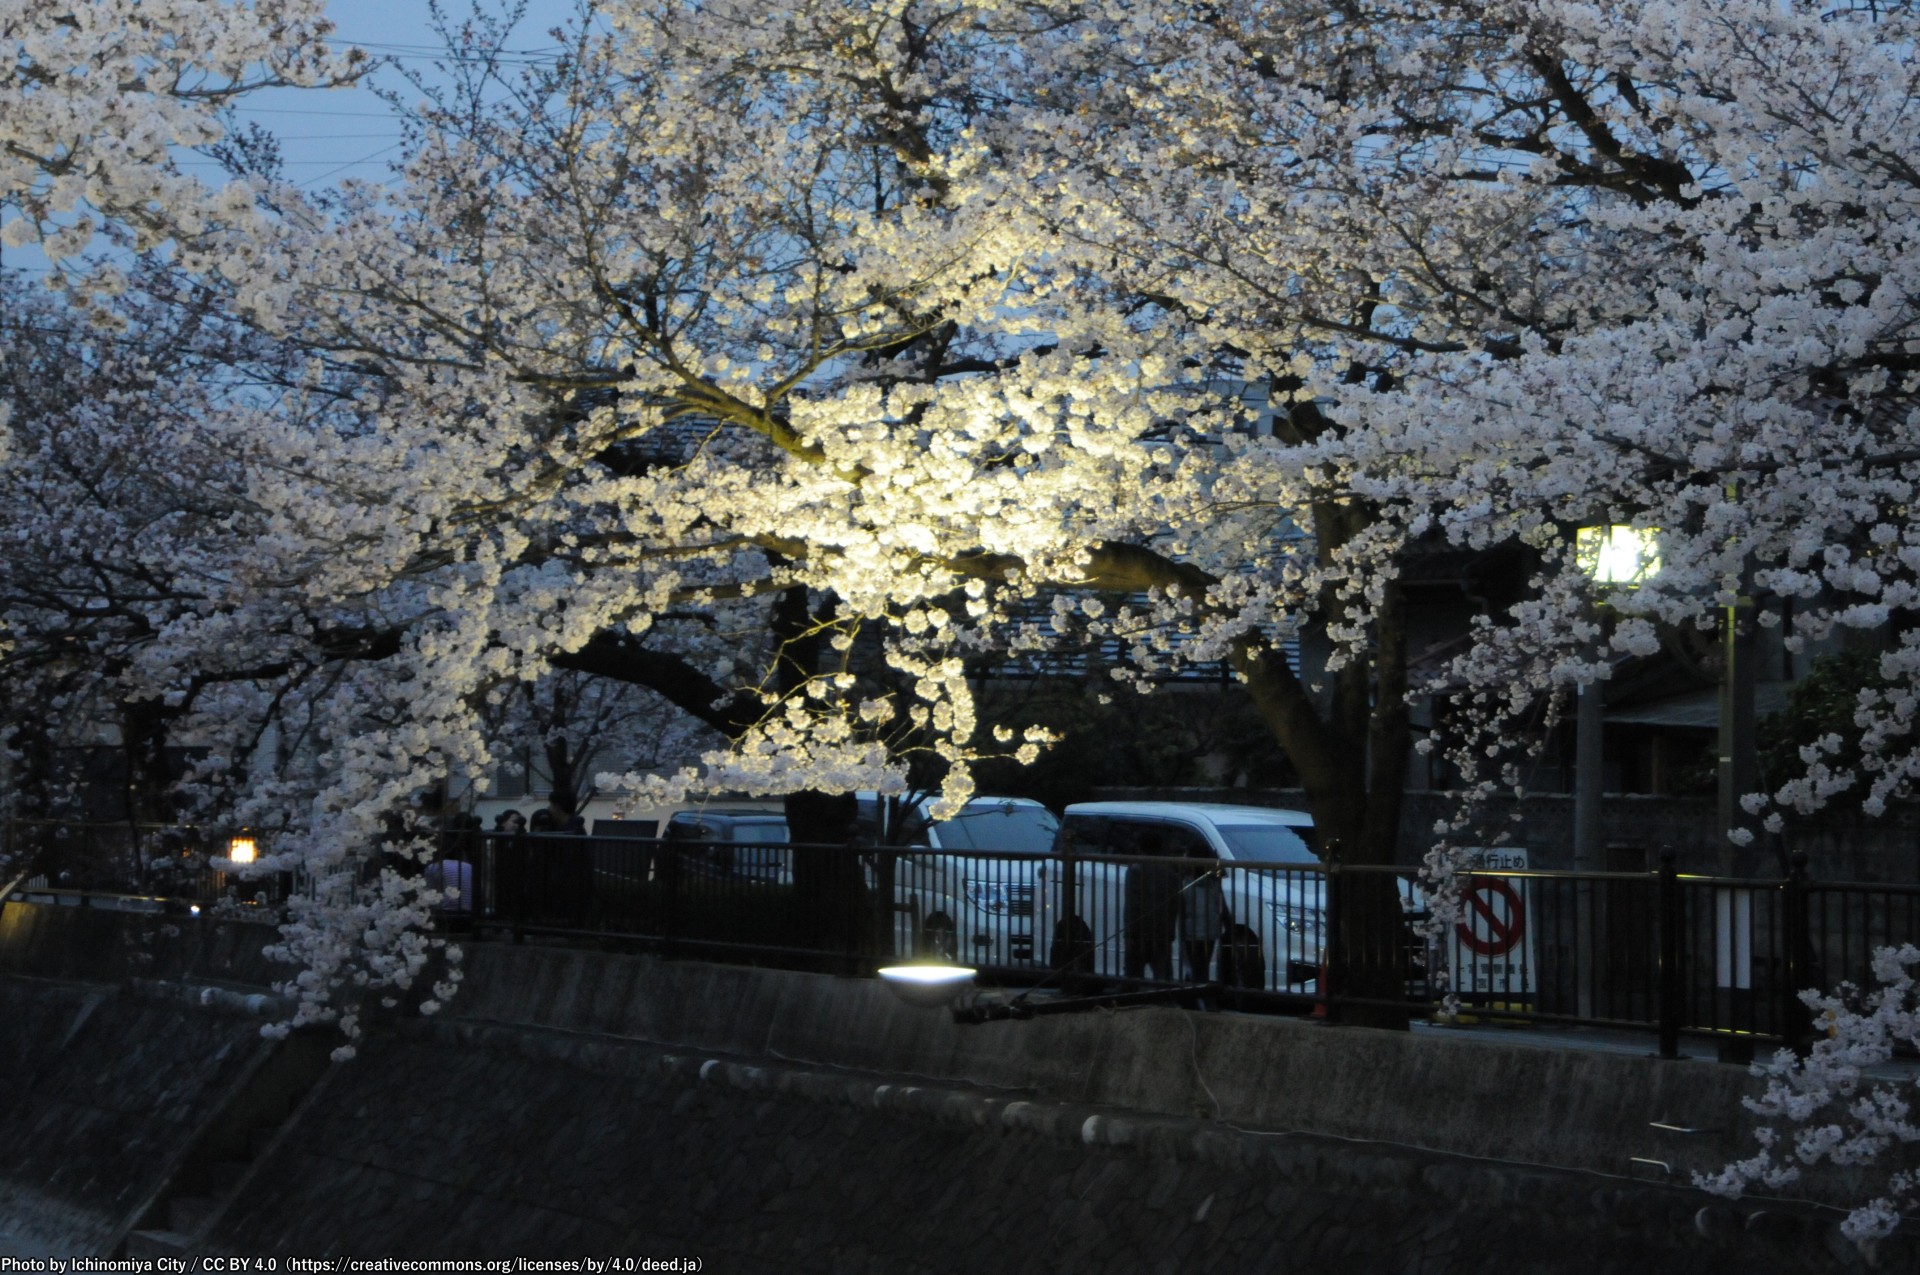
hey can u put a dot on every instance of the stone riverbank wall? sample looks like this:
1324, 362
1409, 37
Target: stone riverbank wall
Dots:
583, 1104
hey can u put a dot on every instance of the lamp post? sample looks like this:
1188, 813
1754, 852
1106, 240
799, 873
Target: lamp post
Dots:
1738, 771
1621, 557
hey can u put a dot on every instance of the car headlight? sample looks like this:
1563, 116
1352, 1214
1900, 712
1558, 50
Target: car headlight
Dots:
988, 896
1297, 919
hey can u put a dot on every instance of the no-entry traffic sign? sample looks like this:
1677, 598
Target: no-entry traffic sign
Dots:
1489, 951
1493, 919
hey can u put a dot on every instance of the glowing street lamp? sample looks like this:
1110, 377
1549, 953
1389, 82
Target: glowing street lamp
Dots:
242, 850
928, 984
1624, 556
932, 985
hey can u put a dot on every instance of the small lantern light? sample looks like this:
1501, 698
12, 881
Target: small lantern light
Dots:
242, 850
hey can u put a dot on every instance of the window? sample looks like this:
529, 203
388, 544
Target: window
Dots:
1268, 843
1144, 837
1186, 843
510, 781
1083, 836
1026, 829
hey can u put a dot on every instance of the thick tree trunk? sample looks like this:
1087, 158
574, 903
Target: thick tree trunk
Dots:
563, 768
1351, 755
33, 771
829, 889
150, 797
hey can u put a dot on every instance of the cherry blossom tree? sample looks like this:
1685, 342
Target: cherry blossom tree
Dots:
875, 329
570, 727
109, 527
1501, 270
1635, 263
99, 98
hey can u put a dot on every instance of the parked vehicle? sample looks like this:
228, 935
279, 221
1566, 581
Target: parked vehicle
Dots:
733, 845
955, 896
962, 897
1273, 907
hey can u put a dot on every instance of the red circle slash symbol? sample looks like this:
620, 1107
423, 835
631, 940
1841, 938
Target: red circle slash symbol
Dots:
1495, 918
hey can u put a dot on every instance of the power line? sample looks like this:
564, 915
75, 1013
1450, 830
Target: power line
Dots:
282, 110
545, 50
332, 137
288, 163
470, 59
352, 164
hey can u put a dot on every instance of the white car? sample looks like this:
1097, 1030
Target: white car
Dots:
961, 888
964, 888
1272, 890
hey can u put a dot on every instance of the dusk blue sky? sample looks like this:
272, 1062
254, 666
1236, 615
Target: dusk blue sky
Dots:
330, 135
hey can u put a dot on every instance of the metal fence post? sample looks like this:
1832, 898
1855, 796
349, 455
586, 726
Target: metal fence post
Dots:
516, 908
1796, 1019
1334, 965
670, 865
1066, 947
1671, 986
855, 941
884, 922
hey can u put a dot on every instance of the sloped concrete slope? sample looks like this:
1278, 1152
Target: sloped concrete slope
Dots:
1564, 1107
100, 1092
579, 1104
466, 1140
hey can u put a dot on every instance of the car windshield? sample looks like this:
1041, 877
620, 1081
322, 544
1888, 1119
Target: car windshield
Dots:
771, 833
1027, 829
1269, 843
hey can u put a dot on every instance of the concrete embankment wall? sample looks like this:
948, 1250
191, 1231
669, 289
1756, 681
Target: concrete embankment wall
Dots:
579, 1103
106, 1076
1568, 1108
463, 1140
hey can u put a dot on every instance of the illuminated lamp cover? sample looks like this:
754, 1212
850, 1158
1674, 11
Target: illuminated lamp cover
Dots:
1618, 555
927, 985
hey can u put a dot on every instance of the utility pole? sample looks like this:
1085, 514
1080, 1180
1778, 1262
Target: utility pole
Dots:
1739, 771
1589, 762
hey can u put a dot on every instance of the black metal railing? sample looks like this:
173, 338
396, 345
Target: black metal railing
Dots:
1665, 952
154, 864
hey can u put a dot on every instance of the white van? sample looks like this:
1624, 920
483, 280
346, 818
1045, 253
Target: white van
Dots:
1271, 933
